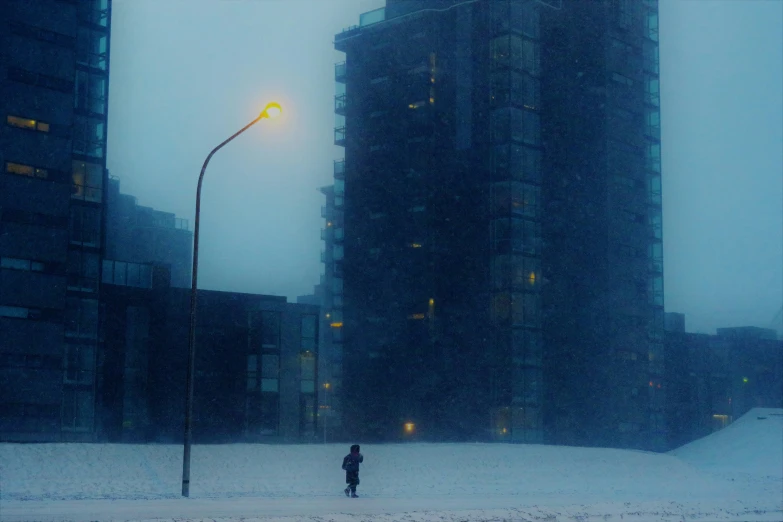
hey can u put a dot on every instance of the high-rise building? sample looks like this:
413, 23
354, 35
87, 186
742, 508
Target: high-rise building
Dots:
502, 271
54, 77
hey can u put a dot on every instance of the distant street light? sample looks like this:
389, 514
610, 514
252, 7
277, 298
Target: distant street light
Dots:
272, 110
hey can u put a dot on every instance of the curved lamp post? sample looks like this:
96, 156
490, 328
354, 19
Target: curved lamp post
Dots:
272, 110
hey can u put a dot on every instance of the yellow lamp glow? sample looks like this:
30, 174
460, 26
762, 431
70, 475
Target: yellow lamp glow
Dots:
409, 427
272, 110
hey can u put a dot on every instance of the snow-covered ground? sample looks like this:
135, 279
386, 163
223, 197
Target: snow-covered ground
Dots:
735, 474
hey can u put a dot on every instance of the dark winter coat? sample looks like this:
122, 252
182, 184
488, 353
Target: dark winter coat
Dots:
351, 462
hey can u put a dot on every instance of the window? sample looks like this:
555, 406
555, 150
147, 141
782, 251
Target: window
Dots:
26, 123
651, 25
655, 222
652, 117
21, 264
515, 52
512, 161
91, 48
524, 309
85, 226
90, 92
88, 137
514, 198
270, 332
270, 370
95, 12
652, 90
39, 80
653, 157
16, 312
516, 235
621, 79
307, 373
654, 190
650, 56
78, 409
252, 372
81, 318
82, 271
87, 181
309, 333
656, 257
26, 170
79, 364
29, 31
515, 272
514, 87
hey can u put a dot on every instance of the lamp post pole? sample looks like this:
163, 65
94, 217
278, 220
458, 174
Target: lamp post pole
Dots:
271, 110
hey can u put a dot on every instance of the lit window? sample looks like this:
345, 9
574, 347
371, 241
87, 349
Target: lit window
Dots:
22, 123
17, 168
416, 316
26, 170
26, 123
416, 105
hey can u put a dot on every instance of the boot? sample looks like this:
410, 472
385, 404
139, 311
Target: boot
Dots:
347, 491
354, 495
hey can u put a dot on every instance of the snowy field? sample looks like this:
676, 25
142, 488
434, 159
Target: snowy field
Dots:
735, 475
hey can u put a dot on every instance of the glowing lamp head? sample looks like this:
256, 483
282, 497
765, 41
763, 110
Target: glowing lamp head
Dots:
409, 427
272, 110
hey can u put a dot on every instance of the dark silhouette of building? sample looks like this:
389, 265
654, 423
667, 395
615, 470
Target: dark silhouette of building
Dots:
502, 271
144, 235
54, 85
711, 380
256, 363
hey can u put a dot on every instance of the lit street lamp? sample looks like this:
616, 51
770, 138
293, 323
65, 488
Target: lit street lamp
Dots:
272, 110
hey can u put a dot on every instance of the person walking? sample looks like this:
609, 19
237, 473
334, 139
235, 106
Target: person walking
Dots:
351, 466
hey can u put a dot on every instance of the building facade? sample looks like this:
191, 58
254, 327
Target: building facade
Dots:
256, 363
712, 380
141, 234
54, 78
331, 294
502, 256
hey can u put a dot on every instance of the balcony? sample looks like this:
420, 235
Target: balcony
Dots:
339, 169
339, 104
339, 136
340, 71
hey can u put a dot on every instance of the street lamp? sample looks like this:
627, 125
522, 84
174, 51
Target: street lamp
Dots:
272, 110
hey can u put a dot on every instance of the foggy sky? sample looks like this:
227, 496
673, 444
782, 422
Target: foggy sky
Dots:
186, 74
